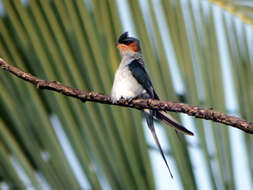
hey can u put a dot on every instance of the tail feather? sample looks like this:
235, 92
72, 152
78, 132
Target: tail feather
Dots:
149, 118
169, 120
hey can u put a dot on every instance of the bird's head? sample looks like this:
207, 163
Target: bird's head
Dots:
128, 44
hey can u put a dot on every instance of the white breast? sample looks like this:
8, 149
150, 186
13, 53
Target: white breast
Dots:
125, 85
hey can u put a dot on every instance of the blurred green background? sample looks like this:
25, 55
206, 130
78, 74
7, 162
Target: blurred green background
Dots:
198, 52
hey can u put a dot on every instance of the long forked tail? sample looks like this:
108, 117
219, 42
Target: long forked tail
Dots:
169, 120
149, 117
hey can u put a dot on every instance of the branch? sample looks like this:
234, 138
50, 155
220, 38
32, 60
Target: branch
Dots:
195, 111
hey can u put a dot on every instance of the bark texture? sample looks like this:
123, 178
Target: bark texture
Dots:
198, 112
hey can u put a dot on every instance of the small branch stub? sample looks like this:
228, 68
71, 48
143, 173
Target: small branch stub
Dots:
198, 112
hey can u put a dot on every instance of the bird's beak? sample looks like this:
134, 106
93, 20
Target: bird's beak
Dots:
119, 45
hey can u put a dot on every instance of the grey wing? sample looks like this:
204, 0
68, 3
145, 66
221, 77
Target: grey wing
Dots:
141, 75
139, 72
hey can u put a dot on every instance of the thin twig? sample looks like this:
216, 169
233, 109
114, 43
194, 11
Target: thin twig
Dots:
195, 111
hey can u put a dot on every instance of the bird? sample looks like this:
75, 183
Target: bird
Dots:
131, 80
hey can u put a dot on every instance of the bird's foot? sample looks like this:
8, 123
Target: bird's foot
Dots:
114, 100
129, 100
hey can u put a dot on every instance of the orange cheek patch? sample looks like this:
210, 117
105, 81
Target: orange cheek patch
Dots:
123, 47
131, 47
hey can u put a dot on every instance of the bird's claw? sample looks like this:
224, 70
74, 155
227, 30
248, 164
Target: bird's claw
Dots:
129, 100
